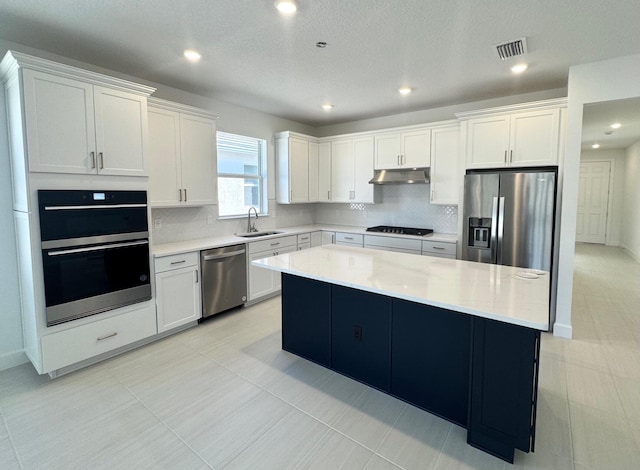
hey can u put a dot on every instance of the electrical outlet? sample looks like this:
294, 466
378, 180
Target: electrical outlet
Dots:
209, 219
157, 223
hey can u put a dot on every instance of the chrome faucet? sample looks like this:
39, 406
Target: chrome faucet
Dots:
251, 228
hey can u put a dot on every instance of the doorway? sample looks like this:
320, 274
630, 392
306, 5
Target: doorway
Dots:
593, 201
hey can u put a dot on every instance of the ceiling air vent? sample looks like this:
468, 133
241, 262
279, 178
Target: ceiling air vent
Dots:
513, 48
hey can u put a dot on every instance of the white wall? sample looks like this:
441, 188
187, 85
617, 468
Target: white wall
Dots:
630, 239
616, 189
590, 83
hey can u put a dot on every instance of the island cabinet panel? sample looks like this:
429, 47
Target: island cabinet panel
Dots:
504, 383
430, 359
306, 318
360, 336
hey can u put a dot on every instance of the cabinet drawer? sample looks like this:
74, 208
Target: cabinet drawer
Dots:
77, 344
167, 263
304, 238
273, 244
446, 250
350, 238
377, 241
304, 245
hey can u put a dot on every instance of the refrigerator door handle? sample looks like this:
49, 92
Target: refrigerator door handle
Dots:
494, 230
500, 229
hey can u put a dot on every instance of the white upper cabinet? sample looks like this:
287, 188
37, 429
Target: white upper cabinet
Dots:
516, 136
351, 170
445, 174
74, 125
324, 172
410, 149
297, 168
182, 150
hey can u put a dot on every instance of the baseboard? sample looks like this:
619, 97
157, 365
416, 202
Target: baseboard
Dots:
12, 359
562, 330
634, 255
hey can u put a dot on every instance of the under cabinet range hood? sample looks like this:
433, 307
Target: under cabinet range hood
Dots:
401, 176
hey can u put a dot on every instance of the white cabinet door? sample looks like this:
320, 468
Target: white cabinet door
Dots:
324, 172
121, 132
261, 281
314, 182
487, 141
534, 138
416, 149
316, 239
298, 170
59, 122
363, 170
165, 171
445, 177
198, 157
341, 170
328, 238
403, 150
388, 148
178, 297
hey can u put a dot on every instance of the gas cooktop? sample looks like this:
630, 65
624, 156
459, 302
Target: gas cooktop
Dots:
400, 230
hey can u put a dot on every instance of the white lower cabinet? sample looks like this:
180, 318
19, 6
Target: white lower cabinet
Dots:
328, 238
350, 239
264, 282
178, 297
439, 249
68, 347
316, 239
401, 245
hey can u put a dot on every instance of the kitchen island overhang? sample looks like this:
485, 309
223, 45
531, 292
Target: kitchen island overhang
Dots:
456, 338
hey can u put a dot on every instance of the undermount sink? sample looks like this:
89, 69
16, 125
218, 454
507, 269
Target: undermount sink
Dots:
256, 234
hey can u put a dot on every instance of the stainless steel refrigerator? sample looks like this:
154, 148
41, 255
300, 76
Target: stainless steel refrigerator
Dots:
509, 217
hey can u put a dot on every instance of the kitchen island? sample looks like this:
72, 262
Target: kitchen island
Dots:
456, 338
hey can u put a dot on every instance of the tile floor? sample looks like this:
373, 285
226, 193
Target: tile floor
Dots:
224, 395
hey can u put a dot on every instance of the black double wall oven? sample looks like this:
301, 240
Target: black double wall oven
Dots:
95, 251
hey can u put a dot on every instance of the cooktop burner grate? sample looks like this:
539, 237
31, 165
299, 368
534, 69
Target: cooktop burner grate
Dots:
400, 230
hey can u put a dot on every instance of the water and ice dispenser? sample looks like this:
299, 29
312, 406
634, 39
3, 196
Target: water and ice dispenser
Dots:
479, 232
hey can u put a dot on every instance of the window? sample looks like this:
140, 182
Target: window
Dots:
241, 163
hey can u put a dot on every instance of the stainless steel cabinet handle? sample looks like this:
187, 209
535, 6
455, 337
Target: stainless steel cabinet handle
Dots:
196, 273
348, 238
437, 247
275, 244
179, 262
93, 160
328, 195
96, 248
180, 195
110, 335
500, 229
505, 156
224, 255
185, 195
511, 156
101, 160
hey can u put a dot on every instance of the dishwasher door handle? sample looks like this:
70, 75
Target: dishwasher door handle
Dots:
224, 255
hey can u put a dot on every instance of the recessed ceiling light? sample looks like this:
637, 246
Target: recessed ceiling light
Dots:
519, 68
321, 44
327, 106
405, 90
595, 146
286, 7
616, 125
191, 55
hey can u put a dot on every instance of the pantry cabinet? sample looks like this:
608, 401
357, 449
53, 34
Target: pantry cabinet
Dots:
182, 149
76, 122
409, 149
516, 136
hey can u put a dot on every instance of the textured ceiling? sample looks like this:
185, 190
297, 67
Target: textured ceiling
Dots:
597, 119
256, 58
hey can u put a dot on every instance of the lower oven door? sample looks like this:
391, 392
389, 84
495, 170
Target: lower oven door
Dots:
82, 281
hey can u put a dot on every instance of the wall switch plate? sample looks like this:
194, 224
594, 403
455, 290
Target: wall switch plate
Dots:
157, 223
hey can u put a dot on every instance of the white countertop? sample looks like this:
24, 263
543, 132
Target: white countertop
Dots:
175, 248
484, 290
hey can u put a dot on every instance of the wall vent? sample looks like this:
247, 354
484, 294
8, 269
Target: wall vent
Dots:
513, 48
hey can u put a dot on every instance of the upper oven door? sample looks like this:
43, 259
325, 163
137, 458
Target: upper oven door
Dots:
74, 216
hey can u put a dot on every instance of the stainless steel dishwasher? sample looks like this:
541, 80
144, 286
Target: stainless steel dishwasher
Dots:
224, 278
